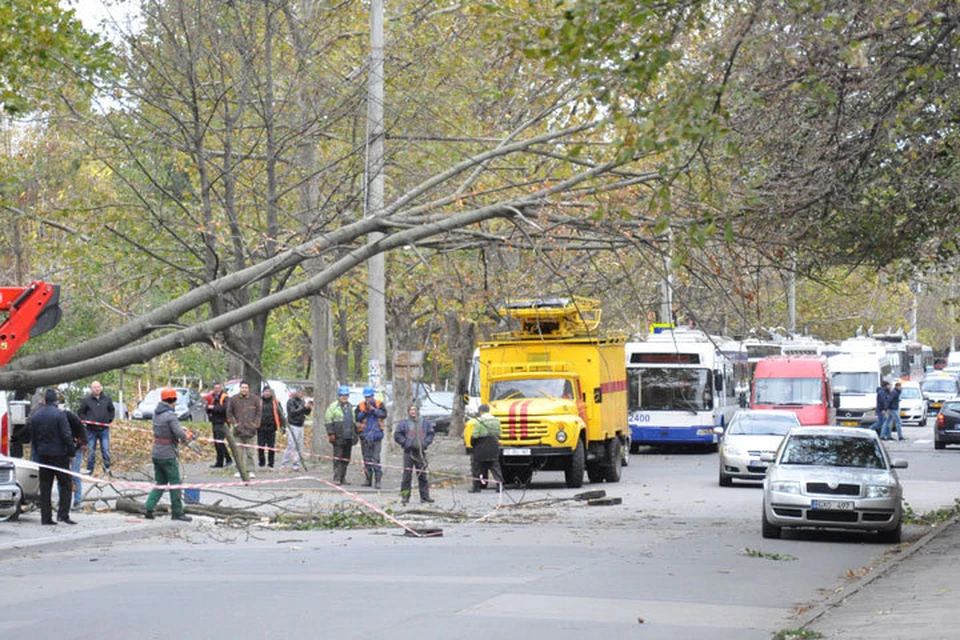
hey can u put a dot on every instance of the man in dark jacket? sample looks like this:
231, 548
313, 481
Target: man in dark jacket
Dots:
883, 397
370, 414
297, 411
167, 434
54, 446
243, 414
217, 414
271, 419
414, 435
97, 412
893, 415
485, 442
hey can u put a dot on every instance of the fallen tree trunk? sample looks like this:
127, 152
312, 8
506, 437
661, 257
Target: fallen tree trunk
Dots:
129, 505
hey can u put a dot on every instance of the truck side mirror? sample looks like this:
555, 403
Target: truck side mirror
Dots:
718, 383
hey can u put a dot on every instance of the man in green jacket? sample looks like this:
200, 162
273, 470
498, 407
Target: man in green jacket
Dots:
340, 432
167, 433
485, 442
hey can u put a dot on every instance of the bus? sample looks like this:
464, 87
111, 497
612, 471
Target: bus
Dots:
679, 387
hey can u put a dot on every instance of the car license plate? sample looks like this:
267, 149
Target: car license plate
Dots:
516, 451
832, 505
849, 423
755, 463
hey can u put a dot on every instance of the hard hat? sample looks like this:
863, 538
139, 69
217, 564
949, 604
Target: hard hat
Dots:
168, 394
343, 390
368, 391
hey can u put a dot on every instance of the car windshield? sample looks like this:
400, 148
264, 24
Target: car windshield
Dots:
855, 382
438, 400
833, 451
762, 425
940, 385
531, 388
788, 391
910, 393
951, 406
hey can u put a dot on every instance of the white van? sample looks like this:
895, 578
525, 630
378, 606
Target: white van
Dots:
856, 377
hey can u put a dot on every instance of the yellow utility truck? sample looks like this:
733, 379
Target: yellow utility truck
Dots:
559, 389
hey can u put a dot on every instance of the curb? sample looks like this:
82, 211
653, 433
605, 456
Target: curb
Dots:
837, 599
70, 540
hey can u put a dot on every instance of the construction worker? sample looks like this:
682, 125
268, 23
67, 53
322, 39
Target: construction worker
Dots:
485, 442
340, 432
217, 414
370, 414
414, 435
167, 434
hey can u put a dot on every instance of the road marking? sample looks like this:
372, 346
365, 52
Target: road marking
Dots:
623, 611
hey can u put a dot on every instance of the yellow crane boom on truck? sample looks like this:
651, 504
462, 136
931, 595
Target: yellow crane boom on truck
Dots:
559, 389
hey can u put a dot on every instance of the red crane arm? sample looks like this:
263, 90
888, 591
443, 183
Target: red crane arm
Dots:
31, 311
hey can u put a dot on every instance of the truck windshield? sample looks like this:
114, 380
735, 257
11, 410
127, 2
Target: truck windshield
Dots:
663, 389
856, 382
531, 388
788, 391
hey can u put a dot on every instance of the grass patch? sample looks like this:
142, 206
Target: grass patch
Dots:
766, 555
930, 517
797, 634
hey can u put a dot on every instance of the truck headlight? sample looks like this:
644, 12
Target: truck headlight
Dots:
785, 486
878, 491
561, 436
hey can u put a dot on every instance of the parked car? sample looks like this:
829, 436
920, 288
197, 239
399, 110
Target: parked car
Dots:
832, 478
913, 406
750, 434
26, 479
437, 407
190, 406
947, 429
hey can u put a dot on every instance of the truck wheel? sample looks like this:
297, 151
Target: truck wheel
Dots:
611, 468
626, 450
574, 473
594, 473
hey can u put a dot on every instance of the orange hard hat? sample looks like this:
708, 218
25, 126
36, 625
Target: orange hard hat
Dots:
168, 394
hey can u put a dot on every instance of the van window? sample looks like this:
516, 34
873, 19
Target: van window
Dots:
787, 391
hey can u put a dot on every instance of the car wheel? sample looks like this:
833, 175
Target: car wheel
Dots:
893, 536
16, 513
938, 445
768, 530
574, 473
725, 480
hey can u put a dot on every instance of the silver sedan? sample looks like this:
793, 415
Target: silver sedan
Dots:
833, 478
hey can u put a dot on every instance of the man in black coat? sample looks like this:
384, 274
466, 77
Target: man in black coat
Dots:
97, 412
53, 443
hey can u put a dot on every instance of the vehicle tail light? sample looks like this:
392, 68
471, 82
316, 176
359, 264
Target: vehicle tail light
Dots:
5, 434
940, 421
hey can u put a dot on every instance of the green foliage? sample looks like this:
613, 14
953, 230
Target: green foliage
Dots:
931, 517
797, 634
41, 46
341, 517
767, 555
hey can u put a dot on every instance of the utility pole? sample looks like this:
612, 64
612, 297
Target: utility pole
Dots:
376, 300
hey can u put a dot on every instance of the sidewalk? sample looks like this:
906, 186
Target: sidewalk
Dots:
915, 596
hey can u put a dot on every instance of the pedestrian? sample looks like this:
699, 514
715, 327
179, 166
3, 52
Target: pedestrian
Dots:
340, 432
97, 412
167, 434
79, 433
243, 414
271, 419
297, 411
485, 443
414, 435
883, 393
53, 443
217, 414
370, 415
893, 413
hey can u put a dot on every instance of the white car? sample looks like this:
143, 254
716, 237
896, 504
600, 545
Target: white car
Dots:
913, 406
26, 479
750, 434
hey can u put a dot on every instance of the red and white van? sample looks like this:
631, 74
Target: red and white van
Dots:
799, 383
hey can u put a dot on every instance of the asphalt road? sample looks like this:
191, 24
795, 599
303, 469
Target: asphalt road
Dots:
680, 558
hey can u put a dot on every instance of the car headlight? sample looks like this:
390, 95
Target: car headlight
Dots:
729, 450
561, 436
879, 491
785, 486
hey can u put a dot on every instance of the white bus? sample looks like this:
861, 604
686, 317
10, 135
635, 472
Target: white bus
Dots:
679, 387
